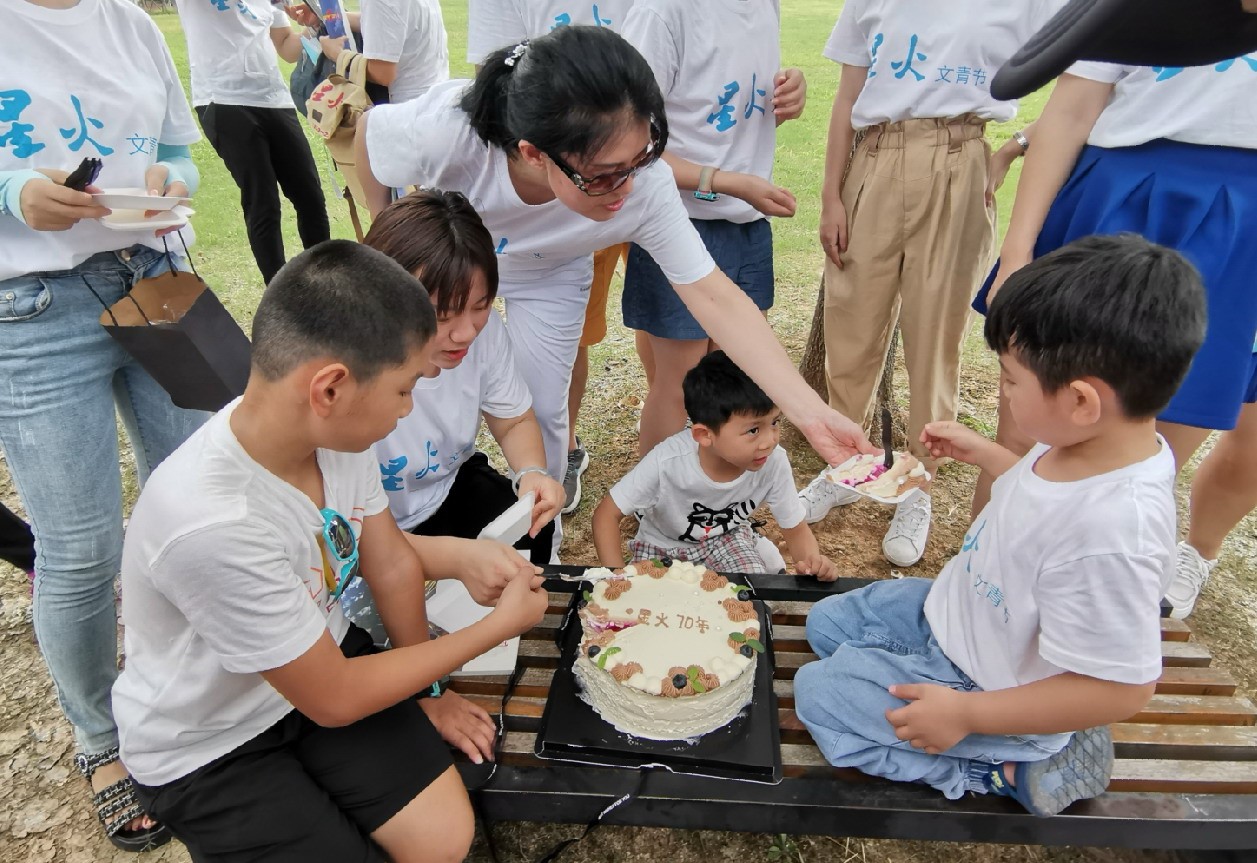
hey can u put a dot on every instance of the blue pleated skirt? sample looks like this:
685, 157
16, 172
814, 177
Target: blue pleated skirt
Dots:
1201, 201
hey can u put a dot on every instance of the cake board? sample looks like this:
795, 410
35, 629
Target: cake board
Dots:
748, 748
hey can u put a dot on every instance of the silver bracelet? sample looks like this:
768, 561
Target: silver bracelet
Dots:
520, 475
1020, 137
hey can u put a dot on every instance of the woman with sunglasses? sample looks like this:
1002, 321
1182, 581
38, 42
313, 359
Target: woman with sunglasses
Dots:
437, 484
556, 144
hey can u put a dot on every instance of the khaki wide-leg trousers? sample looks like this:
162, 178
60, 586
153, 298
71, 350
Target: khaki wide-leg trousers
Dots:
919, 243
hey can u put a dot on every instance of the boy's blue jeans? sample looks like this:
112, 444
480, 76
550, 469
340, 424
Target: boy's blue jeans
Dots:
868, 640
65, 382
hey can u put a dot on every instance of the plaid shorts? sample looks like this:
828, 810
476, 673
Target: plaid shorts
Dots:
735, 551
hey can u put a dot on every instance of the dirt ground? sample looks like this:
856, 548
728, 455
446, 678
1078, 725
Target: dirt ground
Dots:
44, 805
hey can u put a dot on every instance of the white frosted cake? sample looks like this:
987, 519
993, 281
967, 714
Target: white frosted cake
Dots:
668, 653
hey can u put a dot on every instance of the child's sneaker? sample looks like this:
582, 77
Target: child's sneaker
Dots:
577, 463
1080, 771
904, 542
1190, 577
821, 496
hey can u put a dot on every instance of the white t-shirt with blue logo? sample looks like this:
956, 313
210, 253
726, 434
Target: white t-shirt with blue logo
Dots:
419, 460
494, 24
97, 81
429, 142
930, 59
715, 63
230, 53
1215, 105
1061, 576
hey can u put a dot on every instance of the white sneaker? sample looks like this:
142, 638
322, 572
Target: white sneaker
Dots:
904, 542
1191, 575
770, 554
821, 496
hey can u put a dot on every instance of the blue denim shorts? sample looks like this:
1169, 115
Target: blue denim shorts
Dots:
743, 252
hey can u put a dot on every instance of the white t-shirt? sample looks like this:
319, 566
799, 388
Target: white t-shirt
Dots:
1061, 576
715, 63
223, 574
681, 505
928, 59
494, 24
230, 52
58, 107
1214, 105
410, 33
429, 142
419, 460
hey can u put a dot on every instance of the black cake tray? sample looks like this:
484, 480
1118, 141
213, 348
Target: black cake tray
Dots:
748, 748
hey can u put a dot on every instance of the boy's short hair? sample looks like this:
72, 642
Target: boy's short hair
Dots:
1117, 308
716, 389
342, 300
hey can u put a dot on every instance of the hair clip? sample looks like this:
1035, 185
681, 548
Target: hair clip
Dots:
516, 52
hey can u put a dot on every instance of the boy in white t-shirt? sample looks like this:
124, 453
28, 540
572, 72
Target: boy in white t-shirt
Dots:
255, 719
1000, 676
696, 491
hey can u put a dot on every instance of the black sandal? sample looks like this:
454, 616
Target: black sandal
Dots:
116, 807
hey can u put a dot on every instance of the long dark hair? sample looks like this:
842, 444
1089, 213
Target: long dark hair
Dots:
439, 237
568, 93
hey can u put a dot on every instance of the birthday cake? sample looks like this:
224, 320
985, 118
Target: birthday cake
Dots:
869, 476
667, 652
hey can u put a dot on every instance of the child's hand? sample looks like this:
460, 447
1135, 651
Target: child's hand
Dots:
953, 440
935, 718
488, 566
522, 604
462, 723
789, 95
818, 565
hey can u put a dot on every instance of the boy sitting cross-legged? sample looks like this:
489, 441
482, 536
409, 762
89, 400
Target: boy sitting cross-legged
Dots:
1001, 676
695, 491
257, 722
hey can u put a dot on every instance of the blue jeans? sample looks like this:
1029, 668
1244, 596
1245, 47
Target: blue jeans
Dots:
63, 377
867, 640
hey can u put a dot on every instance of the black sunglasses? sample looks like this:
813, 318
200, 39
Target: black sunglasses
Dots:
605, 184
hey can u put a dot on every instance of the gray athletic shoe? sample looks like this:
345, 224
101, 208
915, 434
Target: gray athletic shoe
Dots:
577, 462
1080, 771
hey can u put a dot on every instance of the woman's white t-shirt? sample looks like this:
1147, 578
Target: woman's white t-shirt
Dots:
928, 59
419, 460
95, 80
429, 142
715, 63
1214, 105
410, 33
230, 52
225, 575
494, 24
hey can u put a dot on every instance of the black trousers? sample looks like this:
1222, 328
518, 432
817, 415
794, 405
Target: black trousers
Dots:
478, 496
17, 543
263, 148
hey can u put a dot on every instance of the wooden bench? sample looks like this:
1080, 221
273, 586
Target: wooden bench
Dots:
1185, 777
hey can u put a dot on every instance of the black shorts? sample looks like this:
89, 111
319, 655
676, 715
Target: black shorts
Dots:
303, 793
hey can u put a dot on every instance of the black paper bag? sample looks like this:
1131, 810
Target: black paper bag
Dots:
176, 328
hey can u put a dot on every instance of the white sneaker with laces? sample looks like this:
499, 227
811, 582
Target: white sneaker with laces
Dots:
1190, 577
904, 542
821, 496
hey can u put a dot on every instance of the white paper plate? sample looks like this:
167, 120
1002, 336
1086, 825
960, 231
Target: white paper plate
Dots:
133, 220
890, 501
137, 199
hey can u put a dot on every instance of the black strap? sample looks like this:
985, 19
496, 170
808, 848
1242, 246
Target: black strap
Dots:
596, 822
474, 791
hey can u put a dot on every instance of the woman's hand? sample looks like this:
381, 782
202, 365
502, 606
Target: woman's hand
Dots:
789, 95
47, 205
765, 196
463, 724
488, 566
834, 437
303, 15
1001, 160
550, 498
332, 47
1009, 263
833, 229
155, 180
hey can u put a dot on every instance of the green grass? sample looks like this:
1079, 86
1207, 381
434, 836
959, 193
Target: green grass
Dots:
222, 252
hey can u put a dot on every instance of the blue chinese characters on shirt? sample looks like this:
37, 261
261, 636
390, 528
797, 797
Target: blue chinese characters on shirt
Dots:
982, 586
723, 117
1165, 73
83, 132
916, 66
563, 19
406, 474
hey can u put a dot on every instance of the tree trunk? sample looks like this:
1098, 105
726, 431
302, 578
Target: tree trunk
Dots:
812, 366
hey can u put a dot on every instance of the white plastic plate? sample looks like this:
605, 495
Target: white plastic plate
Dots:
133, 220
136, 199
